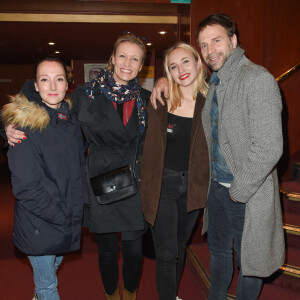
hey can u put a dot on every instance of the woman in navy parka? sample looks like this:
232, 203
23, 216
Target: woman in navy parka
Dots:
47, 174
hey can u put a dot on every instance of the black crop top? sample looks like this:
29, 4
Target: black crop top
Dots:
178, 142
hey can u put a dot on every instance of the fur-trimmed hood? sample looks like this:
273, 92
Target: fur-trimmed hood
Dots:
25, 113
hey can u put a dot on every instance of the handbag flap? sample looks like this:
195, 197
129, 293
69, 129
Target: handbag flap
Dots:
111, 181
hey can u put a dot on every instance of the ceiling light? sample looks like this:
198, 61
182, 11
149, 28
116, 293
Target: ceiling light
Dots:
57, 52
51, 43
162, 32
149, 44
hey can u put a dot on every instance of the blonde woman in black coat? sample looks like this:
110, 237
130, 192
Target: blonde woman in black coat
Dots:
111, 110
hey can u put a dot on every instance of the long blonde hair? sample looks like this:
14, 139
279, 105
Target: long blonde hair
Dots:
200, 84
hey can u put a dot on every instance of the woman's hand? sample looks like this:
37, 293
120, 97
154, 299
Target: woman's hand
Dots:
14, 136
161, 86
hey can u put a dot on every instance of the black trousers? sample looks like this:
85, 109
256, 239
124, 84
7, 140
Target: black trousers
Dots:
108, 249
171, 231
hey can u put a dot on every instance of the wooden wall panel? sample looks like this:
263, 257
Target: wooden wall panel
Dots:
291, 124
12, 79
70, 6
135, 1
269, 29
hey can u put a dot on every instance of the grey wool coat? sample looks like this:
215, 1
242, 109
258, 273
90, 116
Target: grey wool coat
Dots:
250, 136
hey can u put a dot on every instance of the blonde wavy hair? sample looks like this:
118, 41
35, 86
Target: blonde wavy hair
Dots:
131, 38
200, 84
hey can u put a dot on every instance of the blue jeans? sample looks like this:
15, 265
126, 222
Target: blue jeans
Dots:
171, 231
225, 228
44, 274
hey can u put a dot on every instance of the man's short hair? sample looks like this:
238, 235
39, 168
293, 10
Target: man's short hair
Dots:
219, 19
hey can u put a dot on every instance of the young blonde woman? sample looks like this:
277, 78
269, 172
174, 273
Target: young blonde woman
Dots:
175, 165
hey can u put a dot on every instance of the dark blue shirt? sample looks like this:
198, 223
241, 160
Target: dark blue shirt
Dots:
219, 169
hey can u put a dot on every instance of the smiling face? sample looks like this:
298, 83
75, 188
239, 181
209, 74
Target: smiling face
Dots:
216, 46
183, 66
51, 83
127, 62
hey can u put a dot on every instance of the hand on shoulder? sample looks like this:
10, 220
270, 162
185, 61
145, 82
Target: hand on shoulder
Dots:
161, 87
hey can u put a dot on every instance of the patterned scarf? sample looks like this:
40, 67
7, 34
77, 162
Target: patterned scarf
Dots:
118, 93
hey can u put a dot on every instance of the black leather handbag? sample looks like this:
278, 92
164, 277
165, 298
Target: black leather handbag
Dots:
116, 185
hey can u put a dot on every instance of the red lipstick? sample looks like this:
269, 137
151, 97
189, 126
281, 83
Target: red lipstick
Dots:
184, 76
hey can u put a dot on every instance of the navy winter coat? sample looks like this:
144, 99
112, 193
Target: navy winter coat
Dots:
48, 177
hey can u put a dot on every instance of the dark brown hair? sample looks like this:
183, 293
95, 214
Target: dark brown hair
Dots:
219, 19
55, 59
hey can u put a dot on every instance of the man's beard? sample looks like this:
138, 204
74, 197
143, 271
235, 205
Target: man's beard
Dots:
219, 55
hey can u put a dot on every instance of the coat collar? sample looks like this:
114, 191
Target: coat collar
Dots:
229, 68
32, 114
196, 125
25, 113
